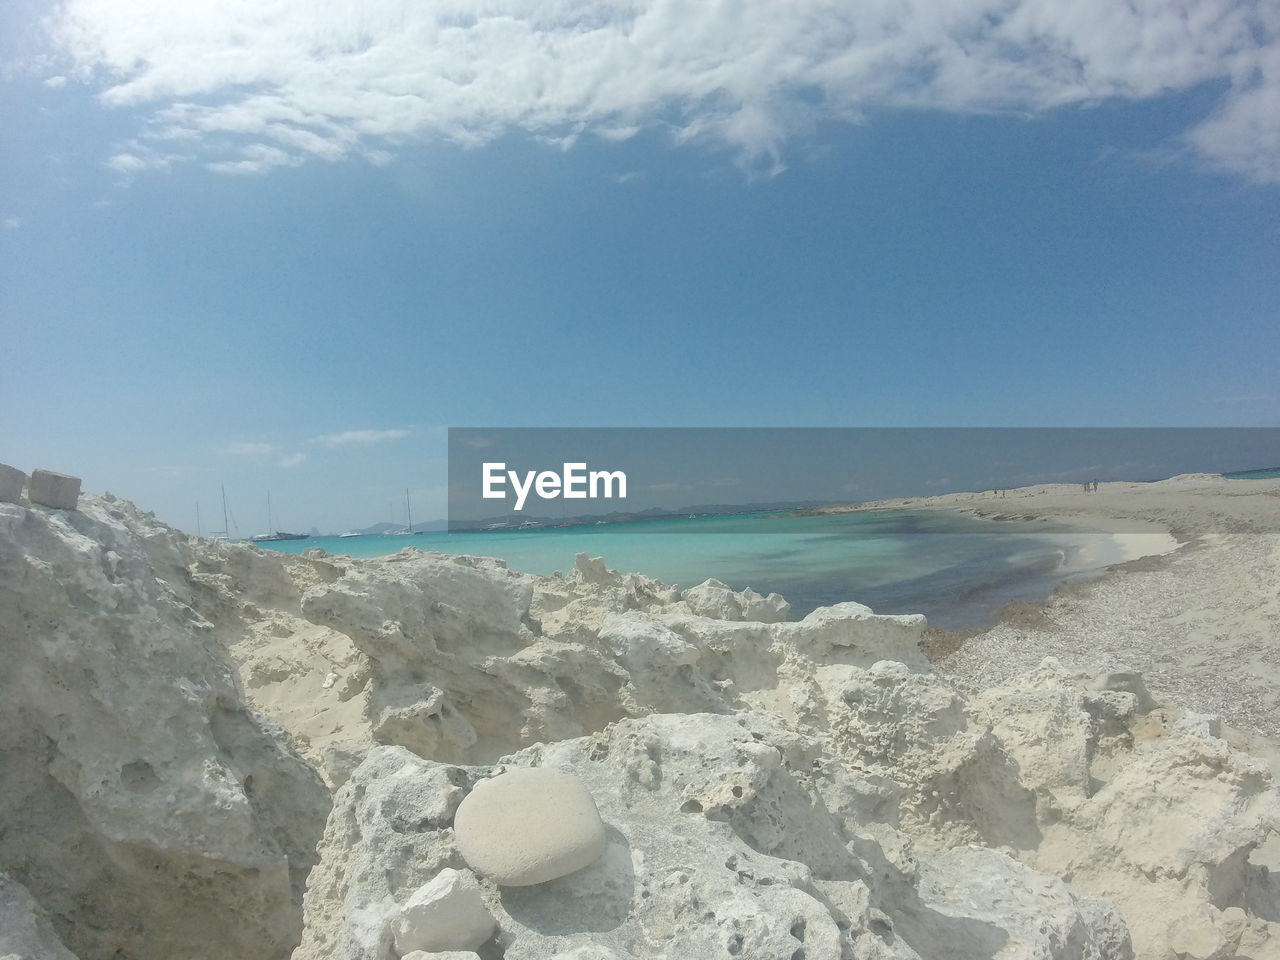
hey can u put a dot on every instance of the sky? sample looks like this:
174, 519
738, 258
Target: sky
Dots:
283, 247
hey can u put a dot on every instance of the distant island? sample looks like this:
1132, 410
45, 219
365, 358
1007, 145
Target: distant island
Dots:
510, 522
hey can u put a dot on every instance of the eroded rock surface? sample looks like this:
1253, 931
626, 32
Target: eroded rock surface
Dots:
893, 814
148, 810
768, 788
724, 840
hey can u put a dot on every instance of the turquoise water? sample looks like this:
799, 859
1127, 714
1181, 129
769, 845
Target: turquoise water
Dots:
956, 569
1266, 474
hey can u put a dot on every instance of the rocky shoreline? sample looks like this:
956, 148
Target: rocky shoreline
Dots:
209, 751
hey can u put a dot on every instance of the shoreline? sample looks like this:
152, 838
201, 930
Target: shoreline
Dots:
915, 579
1200, 621
1185, 506
345, 711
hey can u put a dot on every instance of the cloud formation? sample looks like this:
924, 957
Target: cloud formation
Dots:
249, 87
359, 437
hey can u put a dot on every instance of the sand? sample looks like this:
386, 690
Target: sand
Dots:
1199, 617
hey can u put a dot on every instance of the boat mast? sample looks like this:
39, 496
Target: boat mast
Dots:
408, 514
198, 518
226, 529
270, 529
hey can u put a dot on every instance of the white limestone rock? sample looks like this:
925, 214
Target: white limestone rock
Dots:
51, 489
725, 840
1191, 723
529, 826
390, 833
11, 482
768, 787
25, 931
142, 803
1164, 826
719, 601
446, 914
1127, 681
465, 661
591, 569
1011, 912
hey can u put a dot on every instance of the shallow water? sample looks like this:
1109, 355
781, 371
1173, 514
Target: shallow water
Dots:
956, 569
1265, 474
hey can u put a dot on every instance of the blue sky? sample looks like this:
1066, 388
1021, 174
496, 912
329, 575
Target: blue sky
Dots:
293, 272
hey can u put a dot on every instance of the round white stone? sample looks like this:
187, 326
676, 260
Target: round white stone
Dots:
529, 825
448, 913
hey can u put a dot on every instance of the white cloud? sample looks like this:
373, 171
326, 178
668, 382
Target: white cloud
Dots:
1243, 134
127, 163
54, 83
361, 437
256, 158
292, 460
252, 87
249, 449
11, 223
135, 157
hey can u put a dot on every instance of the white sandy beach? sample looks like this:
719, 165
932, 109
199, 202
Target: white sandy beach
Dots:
1201, 623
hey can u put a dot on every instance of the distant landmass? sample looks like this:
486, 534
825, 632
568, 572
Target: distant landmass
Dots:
385, 528
516, 521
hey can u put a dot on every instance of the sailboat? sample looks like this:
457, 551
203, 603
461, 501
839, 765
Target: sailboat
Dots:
275, 534
408, 516
222, 534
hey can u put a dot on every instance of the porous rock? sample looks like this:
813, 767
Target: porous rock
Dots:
825, 749
142, 802
447, 913
725, 841
771, 789
528, 826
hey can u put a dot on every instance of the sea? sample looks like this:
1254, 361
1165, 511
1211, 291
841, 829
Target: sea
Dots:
958, 570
